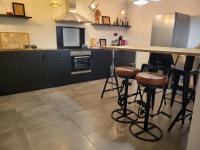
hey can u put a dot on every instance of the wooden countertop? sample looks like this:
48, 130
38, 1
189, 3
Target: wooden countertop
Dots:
49, 49
157, 49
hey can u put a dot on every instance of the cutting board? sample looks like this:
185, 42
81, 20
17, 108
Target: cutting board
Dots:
13, 40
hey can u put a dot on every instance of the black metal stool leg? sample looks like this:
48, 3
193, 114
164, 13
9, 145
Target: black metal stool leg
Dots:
124, 115
186, 81
161, 104
138, 92
175, 87
162, 100
149, 98
175, 120
122, 87
104, 88
145, 125
153, 98
125, 97
116, 84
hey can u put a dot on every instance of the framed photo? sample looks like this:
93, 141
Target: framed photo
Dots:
106, 20
102, 42
18, 9
93, 5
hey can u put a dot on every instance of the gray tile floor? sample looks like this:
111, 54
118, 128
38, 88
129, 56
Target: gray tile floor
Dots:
74, 117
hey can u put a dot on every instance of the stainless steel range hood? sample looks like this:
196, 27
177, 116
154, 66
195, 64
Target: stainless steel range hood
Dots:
72, 15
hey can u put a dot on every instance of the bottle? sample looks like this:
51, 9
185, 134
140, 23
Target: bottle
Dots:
117, 21
120, 22
125, 22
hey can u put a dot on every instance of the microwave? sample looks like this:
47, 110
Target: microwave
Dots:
70, 37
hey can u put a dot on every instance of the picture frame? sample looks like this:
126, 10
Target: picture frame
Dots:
18, 9
106, 20
102, 42
93, 5
14, 40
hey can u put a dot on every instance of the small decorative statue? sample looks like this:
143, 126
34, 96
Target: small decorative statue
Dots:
97, 16
93, 43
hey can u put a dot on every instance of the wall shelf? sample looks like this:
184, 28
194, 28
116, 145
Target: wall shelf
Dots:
95, 24
12, 16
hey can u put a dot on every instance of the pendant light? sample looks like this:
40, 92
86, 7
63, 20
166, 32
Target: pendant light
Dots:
122, 12
55, 3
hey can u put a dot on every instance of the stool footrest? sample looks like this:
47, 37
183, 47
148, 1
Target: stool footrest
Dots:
161, 112
112, 89
119, 116
142, 133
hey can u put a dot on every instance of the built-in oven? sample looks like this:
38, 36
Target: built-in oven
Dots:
80, 62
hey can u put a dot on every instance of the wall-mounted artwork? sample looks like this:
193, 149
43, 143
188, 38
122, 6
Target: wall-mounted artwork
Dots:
13, 40
106, 20
18, 9
102, 42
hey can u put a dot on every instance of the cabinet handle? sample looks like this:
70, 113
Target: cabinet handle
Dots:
79, 57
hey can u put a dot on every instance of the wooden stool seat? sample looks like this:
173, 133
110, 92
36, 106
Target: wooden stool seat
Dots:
126, 72
152, 79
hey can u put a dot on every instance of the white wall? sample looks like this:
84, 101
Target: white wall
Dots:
42, 26
141, 19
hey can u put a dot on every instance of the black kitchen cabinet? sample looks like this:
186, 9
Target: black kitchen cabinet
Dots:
102, 60
31, 71
77, 78
58, 67
100, 63
23, 71
8, 75
124, 58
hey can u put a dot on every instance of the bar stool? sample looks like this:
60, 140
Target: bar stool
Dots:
124, 115
180, 72
150, 81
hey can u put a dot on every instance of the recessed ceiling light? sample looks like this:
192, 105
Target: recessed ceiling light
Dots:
141, 2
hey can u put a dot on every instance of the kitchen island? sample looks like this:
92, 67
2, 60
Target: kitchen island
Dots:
157, 49
190, 56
